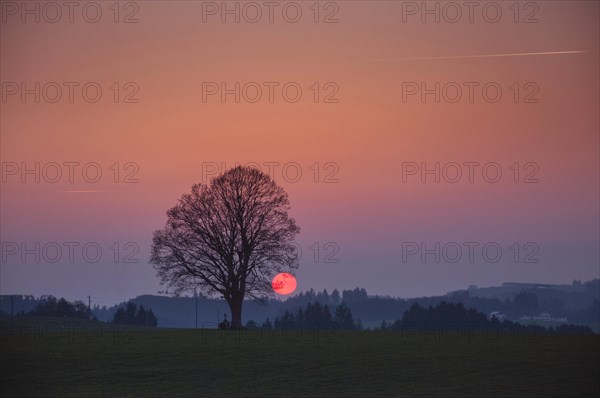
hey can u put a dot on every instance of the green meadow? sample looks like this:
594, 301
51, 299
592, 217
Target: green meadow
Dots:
93, 360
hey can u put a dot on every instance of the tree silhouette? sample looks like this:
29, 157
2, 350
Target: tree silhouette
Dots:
343, 317
335, 297
50, 306
228, 238
131, 314
315, 316
526, 302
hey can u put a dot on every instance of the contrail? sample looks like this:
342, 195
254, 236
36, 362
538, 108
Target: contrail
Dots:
484, 56
86, 191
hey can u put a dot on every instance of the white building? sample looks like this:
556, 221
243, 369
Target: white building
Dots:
498, 315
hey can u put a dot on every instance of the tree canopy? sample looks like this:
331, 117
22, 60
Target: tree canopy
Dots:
131, 314
227, 238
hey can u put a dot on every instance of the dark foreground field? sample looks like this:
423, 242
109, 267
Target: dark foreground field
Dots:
166, 363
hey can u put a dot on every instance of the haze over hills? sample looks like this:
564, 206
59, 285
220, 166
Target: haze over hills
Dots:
577, 302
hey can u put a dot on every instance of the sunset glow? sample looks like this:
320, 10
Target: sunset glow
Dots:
284, 283
377, 93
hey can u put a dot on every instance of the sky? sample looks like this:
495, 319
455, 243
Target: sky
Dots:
420, 155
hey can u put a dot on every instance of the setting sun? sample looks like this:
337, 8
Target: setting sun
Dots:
284, 283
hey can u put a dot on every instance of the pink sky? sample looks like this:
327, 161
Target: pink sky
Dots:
363, 139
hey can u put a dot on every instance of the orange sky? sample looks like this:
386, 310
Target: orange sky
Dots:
368, 134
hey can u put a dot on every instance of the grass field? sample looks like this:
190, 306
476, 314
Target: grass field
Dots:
179, 363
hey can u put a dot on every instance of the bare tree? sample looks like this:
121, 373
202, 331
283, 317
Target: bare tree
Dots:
228, 238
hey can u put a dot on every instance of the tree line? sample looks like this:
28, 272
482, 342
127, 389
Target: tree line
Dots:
416, 318
51, 306
449, 315
578, 303
313, 316
132, 314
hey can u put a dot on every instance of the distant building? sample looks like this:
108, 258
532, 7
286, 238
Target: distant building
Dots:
498, 315
530, 285
544, 317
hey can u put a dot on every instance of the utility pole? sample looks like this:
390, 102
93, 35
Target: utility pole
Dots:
89, 307
12, 308
196, 296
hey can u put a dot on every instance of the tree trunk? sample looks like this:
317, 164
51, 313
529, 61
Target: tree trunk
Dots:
236, 313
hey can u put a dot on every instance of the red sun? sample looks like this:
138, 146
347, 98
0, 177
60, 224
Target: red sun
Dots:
284, 283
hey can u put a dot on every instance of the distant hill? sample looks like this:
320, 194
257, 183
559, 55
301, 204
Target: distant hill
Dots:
578, 302
509, 290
